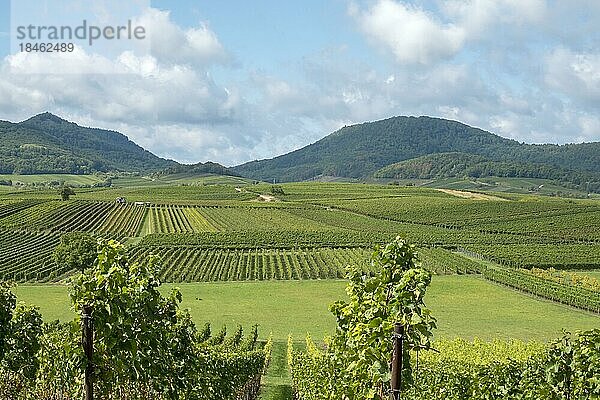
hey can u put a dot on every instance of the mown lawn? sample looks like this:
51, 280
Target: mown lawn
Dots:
465, 306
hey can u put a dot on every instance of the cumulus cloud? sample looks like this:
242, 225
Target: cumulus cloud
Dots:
63, 63
478, 61
413, 35
478, 17
154, 98
171, 44
486, 63
150, 92
574, 74
416, 36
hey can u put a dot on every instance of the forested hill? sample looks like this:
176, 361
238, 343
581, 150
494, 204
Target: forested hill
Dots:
462, 165
46, 143
200, 168
359, 150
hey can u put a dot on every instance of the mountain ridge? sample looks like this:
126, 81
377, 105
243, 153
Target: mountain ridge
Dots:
357, 151
46, 143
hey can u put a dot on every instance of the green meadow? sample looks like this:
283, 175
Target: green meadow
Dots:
465, 306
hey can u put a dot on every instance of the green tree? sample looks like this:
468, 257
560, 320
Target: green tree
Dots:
77, 250
277, 190
66, 192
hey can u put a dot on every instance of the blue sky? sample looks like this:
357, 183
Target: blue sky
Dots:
233, 81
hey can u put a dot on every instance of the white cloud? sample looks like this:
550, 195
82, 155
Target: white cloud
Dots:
589, 126
416, 36
171, 44
478, 17
150, 92
166, 101
576, 75
462, 62
515, 104
505, 125
75, 63
413, 35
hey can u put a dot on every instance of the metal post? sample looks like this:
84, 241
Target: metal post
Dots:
88, 349
398, 338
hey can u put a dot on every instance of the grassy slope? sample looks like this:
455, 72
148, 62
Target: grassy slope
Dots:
500, 184
465, 306
180, 179
46, 178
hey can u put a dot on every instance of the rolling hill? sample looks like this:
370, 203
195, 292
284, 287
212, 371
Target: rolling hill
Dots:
200, 168
394, 148
358, 151
46, 143
462, 165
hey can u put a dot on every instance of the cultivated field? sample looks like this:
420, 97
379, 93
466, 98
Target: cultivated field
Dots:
224, 232
506, 265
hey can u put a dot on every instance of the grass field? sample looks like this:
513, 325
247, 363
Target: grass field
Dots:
465, 306
501, 184
46, 178
276, 383
179, 179
593, 274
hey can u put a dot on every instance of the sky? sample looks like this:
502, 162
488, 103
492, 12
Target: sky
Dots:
233, 81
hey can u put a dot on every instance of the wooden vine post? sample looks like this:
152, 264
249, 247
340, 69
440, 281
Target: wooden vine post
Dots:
396, 382
88, 349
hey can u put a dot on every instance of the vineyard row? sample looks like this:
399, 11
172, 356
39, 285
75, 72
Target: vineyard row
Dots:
193, 264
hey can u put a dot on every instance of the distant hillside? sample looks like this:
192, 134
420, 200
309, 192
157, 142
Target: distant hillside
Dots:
49, 144
198, 169
462, 165
358, 151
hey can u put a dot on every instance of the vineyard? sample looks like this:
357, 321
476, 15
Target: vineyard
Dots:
10, 207
477, 370
165, 359
584, 281
174, 219
218, 233
27, 256
440, 210
268, 239
193, 264
37, 217
537, 284
544, 247
257, 218
563, 256
312, 231
442, 261
122, 220
422, 369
